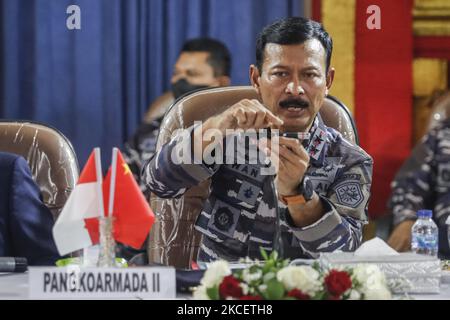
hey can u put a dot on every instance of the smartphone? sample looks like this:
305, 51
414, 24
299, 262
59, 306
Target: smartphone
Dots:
297, 135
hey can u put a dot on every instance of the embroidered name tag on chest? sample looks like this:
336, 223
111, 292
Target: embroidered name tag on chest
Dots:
247, 170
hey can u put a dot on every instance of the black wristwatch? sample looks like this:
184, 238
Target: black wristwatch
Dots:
305, 193
306, 188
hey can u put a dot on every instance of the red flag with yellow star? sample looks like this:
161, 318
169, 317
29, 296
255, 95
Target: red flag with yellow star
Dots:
133, 217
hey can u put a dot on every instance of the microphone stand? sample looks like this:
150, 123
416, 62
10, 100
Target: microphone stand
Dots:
277, 243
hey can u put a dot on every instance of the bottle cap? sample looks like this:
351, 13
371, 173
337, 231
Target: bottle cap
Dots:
424, 213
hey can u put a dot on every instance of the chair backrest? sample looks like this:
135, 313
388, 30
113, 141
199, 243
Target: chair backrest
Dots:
440, 109
173, 239
49, 154
159, 107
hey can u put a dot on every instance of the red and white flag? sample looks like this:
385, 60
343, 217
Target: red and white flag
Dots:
77, 226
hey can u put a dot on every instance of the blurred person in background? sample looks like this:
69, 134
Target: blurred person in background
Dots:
423, 182
202, 63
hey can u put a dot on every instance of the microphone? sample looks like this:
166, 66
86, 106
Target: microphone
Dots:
13, 264
277, 243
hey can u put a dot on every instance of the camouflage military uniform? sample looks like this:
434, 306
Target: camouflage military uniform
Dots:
140, 148
239, 215
423, 182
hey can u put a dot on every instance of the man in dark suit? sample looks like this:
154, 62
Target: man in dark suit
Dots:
25, 222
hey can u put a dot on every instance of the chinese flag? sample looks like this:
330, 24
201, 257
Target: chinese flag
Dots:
133, 217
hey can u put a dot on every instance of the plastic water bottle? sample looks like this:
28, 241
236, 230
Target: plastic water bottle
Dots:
424, 234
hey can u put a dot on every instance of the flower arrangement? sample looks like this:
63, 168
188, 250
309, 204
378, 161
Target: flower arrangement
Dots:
275, 279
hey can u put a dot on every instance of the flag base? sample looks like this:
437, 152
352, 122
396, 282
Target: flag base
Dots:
107, 253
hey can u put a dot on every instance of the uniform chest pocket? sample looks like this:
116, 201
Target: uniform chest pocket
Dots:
239, 185
443, 172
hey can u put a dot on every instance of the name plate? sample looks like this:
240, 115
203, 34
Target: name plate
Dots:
102, 283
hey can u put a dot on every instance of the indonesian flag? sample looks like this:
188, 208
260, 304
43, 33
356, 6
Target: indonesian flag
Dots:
72, 230
133, 217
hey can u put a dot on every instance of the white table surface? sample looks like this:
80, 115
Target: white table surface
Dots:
14, 286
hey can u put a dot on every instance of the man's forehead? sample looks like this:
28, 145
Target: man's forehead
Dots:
193, 56
309, 50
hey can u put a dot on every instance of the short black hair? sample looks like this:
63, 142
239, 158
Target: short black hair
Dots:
219, 56
293, 30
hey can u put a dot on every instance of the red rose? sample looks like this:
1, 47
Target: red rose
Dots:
337, 282
298, 294
250, 298
230, 288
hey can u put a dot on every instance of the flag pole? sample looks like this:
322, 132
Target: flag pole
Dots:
99, 173
112, 188
99, 179
107, 254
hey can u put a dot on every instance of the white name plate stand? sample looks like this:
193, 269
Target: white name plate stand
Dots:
74, 282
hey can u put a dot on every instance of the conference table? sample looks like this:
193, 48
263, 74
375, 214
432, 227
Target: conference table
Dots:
14, 286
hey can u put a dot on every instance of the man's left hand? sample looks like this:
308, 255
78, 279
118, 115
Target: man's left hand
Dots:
291, 160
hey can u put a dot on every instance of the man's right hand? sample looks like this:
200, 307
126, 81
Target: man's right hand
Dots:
246, 114
400, 238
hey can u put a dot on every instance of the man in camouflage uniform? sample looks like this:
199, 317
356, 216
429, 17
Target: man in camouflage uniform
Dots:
423, 182
292, 76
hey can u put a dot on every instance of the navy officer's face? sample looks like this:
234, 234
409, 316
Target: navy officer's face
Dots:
293, 82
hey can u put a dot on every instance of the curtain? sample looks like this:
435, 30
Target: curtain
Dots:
95, 84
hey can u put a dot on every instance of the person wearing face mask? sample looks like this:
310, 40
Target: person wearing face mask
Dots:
202, 63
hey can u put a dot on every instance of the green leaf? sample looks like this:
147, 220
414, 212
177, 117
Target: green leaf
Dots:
121, 263
67, 262
254, 268
274, 256
213, 293
275, 290
263, 253
321, 295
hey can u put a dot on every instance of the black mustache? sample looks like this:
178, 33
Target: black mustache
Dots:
296, 103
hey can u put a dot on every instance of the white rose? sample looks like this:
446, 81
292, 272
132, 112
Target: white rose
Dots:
360, 274
365, 273
262, 287
303, 278
373, 282
245, 288
215, 273
249, 277
377, 293
354, 295
200, 293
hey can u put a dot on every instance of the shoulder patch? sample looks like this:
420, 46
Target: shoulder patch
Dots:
349, 194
